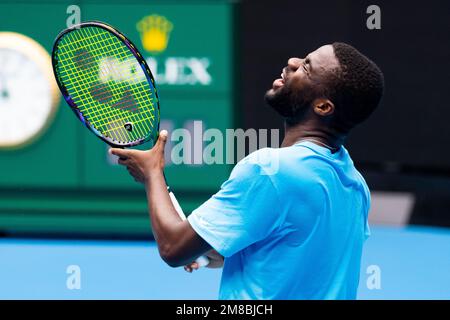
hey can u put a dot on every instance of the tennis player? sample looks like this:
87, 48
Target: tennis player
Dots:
296, 232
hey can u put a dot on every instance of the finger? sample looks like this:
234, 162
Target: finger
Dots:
122, 161
132, 172
188, 269
162, 139
136, 176
121, 153
195, 265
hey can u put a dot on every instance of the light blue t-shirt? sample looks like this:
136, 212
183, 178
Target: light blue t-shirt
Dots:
290, 222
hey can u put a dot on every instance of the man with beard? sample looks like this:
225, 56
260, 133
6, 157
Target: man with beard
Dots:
296, 232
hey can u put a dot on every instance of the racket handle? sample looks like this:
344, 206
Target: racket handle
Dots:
202, 261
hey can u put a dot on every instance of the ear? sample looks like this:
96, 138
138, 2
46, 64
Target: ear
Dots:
323, 107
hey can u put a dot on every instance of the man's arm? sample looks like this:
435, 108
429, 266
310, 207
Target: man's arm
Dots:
177, 241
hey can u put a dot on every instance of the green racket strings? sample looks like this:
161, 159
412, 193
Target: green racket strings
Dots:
107, 84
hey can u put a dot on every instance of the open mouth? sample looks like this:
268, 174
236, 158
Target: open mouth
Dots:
278, 83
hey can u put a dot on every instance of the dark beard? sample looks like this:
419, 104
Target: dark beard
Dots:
288, 104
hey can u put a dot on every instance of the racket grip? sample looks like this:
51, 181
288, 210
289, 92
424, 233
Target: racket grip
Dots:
202, 261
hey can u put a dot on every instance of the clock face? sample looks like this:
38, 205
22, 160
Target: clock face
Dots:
28, 93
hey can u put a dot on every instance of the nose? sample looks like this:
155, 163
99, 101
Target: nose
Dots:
294, 63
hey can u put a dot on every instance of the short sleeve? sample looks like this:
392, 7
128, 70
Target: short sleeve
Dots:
245, 210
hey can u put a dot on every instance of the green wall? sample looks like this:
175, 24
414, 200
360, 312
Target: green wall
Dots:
64, 182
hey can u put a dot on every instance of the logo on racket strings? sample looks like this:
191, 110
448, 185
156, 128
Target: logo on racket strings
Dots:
115, 80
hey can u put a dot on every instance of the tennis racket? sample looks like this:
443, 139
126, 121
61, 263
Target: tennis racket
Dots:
109, 87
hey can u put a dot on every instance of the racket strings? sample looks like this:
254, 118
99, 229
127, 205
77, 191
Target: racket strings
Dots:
123, 135
121, 103
98, 69
118, 130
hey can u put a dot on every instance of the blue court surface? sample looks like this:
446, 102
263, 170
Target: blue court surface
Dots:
413, 262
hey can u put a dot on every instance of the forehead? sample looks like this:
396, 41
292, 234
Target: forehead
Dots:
324, 58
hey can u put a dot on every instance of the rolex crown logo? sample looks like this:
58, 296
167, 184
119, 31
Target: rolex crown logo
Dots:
155, 33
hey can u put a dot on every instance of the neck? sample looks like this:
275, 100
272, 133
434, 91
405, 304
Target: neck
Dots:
308, 130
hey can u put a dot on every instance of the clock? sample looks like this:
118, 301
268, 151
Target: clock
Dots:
29, 94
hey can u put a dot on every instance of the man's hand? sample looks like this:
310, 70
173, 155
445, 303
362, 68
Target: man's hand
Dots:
142, 164
177, 242
215, 261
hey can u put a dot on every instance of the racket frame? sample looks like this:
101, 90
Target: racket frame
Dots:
153, 135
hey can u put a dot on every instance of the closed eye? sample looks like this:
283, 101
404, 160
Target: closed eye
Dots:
307, 64
305, 68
